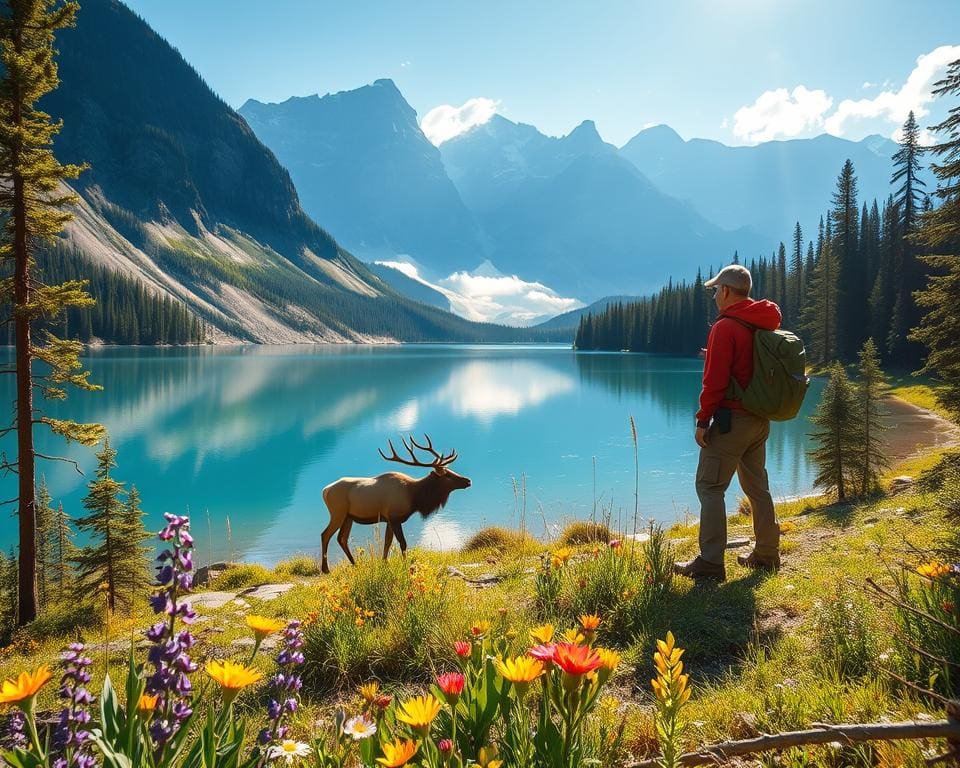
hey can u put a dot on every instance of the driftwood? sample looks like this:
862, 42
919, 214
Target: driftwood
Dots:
824, 733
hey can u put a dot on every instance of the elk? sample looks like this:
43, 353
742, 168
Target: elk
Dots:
391, 497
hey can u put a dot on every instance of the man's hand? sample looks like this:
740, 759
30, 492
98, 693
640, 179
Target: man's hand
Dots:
702, 436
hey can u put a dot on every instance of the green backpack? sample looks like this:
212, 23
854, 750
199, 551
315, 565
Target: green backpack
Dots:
779, 380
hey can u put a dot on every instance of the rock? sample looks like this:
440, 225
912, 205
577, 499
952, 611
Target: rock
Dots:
871, 520
268, 591
901, 480
240, 603
745, 725
212, 599
738, 542
114, 646
206, 573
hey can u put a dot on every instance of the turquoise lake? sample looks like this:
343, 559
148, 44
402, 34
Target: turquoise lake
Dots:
245, 438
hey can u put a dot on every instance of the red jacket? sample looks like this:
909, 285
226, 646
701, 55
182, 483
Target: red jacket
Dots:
730, 354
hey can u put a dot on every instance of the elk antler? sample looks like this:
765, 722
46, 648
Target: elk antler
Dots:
438, 460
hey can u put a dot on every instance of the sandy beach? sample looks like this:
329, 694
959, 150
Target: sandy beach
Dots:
914, 429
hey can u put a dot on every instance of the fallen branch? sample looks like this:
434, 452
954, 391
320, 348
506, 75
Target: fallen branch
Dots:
822, 734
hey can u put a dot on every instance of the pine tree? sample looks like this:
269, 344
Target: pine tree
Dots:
32, 207
852, 294
939, 328
870, 389
837, 434
8, 594
100, 565
795, 293
909, 268
45, 515
133, 570
62, 551
820, 320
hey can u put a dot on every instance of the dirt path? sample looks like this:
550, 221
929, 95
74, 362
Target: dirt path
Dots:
915, 430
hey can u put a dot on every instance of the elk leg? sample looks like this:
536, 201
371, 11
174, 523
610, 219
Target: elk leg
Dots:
398, 532
343, 536
387, 541
325, 541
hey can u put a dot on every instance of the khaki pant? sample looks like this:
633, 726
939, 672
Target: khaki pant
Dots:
741, 450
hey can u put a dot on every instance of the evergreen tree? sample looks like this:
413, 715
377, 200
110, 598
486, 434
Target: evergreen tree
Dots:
909, 269
133, 570
62, 551
851, 292
837, 434
871, 388
8, 594
820, 318
45, 516
32, 207
939, 329
795, 293
101, 564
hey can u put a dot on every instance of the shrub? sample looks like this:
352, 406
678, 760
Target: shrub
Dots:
585, 532
298, 567
845, 635
499, 538
242, 575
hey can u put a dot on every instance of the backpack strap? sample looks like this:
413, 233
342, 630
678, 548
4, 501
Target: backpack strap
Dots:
734, 390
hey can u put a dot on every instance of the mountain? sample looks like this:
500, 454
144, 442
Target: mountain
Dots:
182, 197
363, 167
572, 213
569, 321
491, 161
407, 286
769, 186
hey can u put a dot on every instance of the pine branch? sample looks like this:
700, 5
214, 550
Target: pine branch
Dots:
76, 466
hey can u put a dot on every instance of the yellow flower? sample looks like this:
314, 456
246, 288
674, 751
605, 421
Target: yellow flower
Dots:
573, 636
369, 691
232, 677
559, 557
480, 629
608, 659
486, 757
521, 670
787, 526
397, 753
542, 635
25, 686
419, 712
147, 703
933, 569
262, 626
589, 622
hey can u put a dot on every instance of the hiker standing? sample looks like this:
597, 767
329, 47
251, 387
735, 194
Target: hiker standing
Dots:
731, 438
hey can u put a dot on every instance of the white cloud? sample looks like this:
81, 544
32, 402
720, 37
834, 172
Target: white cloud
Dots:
867, 84
404, 64
891, 106
442, 123
781, 114
485, 295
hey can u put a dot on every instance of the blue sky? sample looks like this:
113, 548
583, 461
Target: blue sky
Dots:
739, 71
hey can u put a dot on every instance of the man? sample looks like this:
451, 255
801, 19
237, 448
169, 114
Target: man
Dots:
732, 439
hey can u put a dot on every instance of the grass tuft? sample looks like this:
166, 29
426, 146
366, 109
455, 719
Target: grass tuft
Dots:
585, 532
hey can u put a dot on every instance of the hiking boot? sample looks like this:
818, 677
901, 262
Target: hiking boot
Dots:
753, 560
699, 569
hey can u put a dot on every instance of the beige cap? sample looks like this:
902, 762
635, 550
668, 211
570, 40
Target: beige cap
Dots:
735, 276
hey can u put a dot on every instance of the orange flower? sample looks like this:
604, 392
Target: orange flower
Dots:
589, 622
25, 686
608, 659
147, 703
933, 569
263, 626
397, 753
576, 659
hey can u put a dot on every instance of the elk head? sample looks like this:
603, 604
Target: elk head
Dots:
433, 489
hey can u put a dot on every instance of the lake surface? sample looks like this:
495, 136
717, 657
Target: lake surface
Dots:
245, 438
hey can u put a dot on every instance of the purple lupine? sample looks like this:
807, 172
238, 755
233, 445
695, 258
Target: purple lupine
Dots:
16, 730
286, 686
71, 737
169, 652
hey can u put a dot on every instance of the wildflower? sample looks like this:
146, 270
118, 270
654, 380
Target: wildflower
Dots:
397, 753
672, 692
576, 659
463, 648
369, 691
486, 757
542, 634
559, 557
232, 677
480, 629
289, 750
382, 701
543, 652
589, 623
71, 737
616, 544
21, 690
573, 636
451, 683
520, 671
933, 569
445, 746
608, 659
147, 703
360, 727
286, 685
787, 526
263, 626
419, 712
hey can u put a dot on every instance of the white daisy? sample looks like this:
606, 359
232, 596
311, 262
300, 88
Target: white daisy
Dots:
288, 749
359, 727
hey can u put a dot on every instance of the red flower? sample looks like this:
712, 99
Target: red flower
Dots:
451, 683
948, 607
445, 746
463, 648
543, 652
576, 659
382, 702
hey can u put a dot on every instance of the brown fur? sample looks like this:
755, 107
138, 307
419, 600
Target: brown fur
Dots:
391, 497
